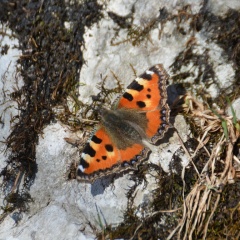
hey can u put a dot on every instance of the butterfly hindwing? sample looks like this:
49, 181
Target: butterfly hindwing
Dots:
102, 157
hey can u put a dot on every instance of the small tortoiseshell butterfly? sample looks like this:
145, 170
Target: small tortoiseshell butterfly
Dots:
127, 132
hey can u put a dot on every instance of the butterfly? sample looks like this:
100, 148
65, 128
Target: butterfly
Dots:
126, 133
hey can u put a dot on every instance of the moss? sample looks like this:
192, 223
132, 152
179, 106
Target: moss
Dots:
226, 221
49, 65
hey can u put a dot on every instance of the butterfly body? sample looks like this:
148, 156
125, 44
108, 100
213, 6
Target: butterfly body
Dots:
127, 132
124, 127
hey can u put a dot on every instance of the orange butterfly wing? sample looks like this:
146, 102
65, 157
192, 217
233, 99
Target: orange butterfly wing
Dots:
101, 157
146, 94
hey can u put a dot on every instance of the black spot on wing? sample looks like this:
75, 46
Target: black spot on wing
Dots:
128, 96
104, 157
146, 76
149, 90
141, 104
109, 147
89, 150
98, 160
84, 163
79, 172
154, 69
96, 140
148, 96
135, 86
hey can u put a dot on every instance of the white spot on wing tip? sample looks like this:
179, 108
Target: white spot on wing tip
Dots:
80, 167
149, 72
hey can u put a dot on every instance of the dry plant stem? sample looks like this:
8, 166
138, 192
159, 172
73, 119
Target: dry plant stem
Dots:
16, 183
183, 195
200, 212
152, 215
236, 159
201, 144
210, 217
200, 201
88, 120
174, 231
186, 151
195, 220
228, 164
